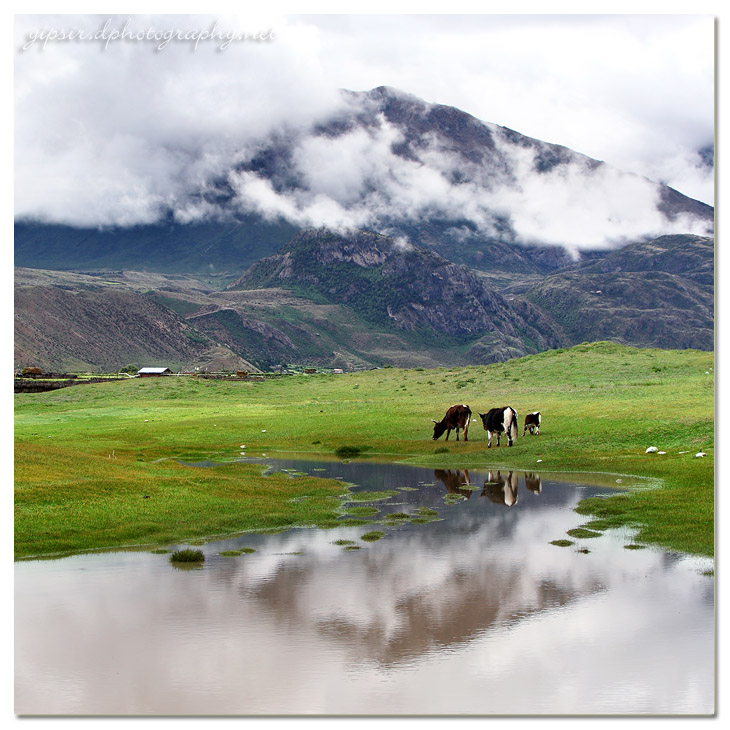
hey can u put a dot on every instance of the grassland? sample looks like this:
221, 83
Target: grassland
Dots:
96, 466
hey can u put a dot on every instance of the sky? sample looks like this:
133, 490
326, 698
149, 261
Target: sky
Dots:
110, 131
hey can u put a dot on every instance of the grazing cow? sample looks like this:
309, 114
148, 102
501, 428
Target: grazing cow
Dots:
499, 421
532, 421
457, 417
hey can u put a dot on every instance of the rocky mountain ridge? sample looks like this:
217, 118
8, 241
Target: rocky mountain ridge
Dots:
365, 300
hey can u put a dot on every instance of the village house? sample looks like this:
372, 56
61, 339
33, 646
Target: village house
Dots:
153, 372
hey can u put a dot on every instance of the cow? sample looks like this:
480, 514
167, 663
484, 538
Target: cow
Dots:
457, 417
532, 421
499, 421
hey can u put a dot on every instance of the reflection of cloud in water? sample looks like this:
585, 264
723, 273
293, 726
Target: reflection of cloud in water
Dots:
477, 613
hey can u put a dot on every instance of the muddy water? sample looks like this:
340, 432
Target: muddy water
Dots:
476, 613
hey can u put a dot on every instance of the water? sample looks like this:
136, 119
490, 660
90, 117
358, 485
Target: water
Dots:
474, 614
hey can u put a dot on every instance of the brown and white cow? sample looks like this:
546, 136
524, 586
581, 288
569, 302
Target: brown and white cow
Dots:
457, 417
499, 421
532, 422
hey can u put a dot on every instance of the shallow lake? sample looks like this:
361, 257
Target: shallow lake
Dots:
472, 612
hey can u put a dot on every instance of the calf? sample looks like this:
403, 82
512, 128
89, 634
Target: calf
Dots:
499, 421
532, 421
457, 417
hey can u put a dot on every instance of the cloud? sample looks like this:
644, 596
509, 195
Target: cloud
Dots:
358, 180
125, 134
117, 135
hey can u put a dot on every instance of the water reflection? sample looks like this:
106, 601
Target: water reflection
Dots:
454, 481
448, 617
501, 488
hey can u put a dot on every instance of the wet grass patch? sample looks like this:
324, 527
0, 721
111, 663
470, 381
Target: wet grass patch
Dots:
396, 518
362, 511
371, 496
372, 536
160, 551
562, 543
454, 498
343, 522
342, 542
187, 556
236, 553
634, 546
348, 452
425, 515
583, 533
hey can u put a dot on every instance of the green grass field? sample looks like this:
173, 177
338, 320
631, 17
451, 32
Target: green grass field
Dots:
96, 465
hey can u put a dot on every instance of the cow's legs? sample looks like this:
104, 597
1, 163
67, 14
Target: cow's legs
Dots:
466, 430
489, 440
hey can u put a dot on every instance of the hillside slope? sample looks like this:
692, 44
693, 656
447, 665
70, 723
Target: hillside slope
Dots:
105, 328
658, 293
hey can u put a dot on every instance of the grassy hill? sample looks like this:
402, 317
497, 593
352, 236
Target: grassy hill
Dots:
87, 456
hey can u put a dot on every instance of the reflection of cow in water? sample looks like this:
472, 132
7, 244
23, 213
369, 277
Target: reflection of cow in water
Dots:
533, 483
454, 480
501, 489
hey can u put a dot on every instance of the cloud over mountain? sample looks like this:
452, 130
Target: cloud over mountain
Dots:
125, 136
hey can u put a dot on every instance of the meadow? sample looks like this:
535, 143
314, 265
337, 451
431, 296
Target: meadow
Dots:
97, 466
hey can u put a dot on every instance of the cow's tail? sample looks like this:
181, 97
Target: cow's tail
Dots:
514, 426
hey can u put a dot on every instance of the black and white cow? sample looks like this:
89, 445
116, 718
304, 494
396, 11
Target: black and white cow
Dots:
457, 417
532, 421
499, 421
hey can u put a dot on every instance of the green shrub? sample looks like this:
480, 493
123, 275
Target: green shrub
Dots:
187, 556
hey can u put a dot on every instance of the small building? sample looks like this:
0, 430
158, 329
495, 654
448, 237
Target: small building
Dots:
153, 372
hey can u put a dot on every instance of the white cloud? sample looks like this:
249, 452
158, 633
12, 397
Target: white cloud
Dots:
122, 134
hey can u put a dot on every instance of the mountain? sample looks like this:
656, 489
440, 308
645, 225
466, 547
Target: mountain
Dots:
401, 287
475, 192
79, 323
363, 300
658, 293
392, 231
